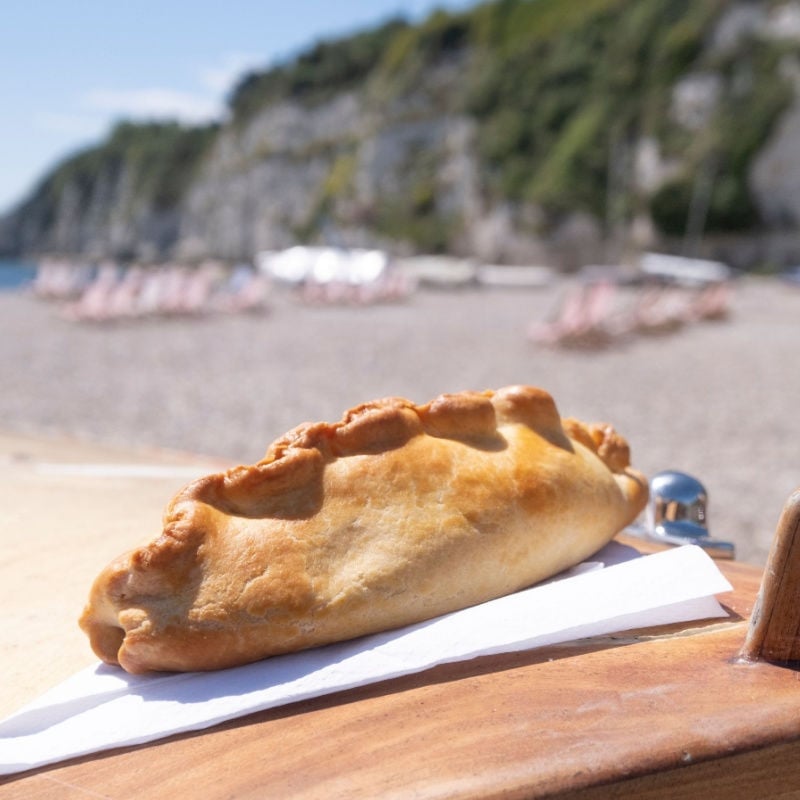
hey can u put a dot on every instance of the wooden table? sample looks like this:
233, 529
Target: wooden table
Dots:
668, 712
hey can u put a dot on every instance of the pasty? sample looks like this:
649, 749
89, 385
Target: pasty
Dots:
396, 514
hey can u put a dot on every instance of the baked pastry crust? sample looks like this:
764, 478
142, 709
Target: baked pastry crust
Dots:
396, 514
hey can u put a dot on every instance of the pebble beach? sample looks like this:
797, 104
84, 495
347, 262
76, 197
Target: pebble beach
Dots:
717, 399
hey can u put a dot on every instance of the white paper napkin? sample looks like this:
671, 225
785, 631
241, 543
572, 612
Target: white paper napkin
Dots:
103, 707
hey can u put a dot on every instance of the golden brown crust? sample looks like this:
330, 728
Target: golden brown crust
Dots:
394, 514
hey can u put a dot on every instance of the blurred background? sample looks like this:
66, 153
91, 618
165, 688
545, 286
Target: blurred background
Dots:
218, 224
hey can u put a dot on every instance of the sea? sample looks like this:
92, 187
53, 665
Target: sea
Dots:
16, 274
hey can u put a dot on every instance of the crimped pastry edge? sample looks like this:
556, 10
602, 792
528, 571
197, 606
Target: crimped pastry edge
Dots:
390, 422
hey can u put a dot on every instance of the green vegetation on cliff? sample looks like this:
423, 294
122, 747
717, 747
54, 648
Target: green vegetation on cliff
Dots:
562, 91
558, 103
160, 160
561, 95
327, 68
720, 155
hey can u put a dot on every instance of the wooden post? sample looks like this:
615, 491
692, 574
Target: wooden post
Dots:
774, 631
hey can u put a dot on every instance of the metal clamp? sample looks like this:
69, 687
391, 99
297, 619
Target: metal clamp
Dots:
677, 514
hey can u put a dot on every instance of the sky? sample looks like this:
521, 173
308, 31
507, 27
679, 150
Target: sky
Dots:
71, 69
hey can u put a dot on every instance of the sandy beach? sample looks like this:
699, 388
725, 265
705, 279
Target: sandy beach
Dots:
716, 399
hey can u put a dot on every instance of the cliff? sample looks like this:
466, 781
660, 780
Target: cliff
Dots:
571, 131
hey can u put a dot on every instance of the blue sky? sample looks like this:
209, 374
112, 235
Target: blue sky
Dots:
70, 68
